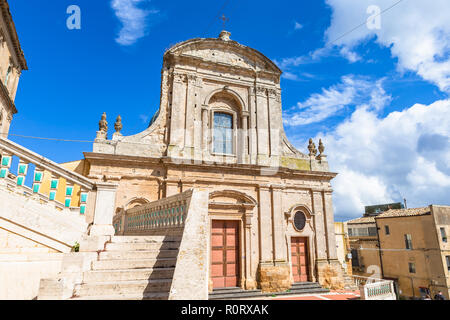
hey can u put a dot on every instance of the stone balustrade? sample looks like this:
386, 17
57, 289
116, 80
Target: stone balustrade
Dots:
167, 213
375, 289
8, 149
102, 195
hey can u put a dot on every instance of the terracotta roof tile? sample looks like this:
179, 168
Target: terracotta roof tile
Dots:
362, 220
405, 212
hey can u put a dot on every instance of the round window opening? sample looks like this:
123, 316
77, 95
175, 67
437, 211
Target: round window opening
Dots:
299, 220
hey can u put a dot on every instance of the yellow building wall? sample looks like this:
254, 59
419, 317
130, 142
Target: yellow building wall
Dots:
342, 246
425, 254
80, 167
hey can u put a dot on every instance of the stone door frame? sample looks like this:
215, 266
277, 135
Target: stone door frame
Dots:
307, 256
242, 212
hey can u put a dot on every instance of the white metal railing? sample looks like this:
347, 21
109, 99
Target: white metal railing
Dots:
375, 289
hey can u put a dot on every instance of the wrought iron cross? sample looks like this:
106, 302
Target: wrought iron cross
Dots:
224, 20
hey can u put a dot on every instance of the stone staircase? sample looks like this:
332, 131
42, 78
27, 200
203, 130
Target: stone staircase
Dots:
238, 293
131, 268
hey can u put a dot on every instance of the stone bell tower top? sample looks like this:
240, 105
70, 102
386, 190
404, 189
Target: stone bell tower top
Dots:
225, 35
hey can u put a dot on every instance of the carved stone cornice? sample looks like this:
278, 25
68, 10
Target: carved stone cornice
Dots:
9, 102
11, 29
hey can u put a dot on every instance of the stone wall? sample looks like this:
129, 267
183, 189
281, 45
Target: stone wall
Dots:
274, 277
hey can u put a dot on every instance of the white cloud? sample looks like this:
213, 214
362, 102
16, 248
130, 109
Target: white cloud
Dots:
350, 91
144, 118
416, 31
351, 56
133, 18
298, 26
380, 160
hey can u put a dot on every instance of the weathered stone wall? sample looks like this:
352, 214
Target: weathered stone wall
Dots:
274, 277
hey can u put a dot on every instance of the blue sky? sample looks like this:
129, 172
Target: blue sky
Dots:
378, 97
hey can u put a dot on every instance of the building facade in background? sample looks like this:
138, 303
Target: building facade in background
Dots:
408, 246
12, 63
415, 252
343, 246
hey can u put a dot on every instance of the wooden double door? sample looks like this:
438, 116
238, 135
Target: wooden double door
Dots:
225, 253
299, 259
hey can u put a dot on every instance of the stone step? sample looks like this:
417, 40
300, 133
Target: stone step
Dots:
138, 254
305, 285
145, 239
136, 246
232, 291
128, 274
133, 264
249, 295
135, 287
144, 296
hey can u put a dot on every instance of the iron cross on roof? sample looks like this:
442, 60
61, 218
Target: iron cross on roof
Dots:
224, 20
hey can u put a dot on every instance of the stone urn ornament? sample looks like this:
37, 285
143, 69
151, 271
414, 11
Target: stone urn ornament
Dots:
103, 124
312, 148
118, 125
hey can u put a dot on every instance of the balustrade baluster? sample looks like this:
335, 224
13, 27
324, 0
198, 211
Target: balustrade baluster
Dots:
83, 201
38, 176
69, 192
22, 169
53, 188
5, 164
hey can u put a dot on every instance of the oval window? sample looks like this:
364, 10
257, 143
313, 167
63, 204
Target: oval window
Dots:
299, 220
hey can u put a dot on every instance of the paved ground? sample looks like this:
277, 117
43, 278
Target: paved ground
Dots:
333, 295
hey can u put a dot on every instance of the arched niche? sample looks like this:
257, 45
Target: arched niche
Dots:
135, 202
227, 92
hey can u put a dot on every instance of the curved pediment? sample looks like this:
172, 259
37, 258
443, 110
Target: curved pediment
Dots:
223, 52
231, 198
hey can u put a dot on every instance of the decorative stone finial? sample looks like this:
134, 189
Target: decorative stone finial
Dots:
321, 147
103, 124
225, 35
312, 148
118, 125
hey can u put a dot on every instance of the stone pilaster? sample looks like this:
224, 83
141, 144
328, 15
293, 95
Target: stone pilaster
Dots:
319, 226
265, 225
329, 222
205, 130
262, 124
274, 118
190, 115
279, 243
244, 138
253, 139
177, 123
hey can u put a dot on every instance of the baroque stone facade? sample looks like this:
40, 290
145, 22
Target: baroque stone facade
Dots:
219, 128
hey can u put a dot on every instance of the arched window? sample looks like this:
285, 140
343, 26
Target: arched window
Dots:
223, 133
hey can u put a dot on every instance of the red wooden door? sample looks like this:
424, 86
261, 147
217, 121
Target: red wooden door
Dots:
225, 253
299, 254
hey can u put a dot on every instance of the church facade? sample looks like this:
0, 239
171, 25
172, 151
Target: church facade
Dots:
219, 128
